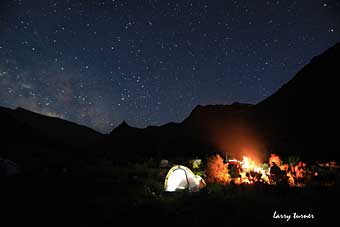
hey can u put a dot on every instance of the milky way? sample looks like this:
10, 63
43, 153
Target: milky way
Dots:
151, 62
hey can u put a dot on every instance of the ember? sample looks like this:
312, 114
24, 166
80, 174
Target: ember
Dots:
274, 172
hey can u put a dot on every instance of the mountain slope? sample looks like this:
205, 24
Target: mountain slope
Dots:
302, 116
36, 142
64, 131
208, 129
297, 119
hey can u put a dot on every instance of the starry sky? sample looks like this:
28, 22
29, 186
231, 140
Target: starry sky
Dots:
150, 62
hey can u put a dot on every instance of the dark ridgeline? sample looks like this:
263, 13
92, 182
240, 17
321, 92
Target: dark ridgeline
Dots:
37, 142
201, 134
66, 180
300, 118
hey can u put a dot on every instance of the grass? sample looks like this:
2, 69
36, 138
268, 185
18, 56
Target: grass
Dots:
133, 194
142, 198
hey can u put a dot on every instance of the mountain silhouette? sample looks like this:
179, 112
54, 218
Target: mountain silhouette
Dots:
67, 132
35, 141
299, 119
208, 129
302, 117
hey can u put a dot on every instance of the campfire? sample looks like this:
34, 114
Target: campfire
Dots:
274, 172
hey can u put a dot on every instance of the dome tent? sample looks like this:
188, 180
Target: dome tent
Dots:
180, 178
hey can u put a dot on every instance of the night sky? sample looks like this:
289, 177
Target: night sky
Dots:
151, 62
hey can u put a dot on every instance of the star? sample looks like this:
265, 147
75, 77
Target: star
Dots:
151, 63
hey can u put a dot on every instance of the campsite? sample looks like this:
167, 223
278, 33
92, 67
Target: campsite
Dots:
216, 167
135, 193
169, 113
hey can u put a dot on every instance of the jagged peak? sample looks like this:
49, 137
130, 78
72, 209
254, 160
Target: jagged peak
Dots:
21, 109
122, 127
124, 124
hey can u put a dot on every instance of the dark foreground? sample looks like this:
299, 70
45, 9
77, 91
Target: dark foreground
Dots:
125, 196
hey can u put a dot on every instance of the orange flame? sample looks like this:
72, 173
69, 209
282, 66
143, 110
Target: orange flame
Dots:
274, 159
248, 171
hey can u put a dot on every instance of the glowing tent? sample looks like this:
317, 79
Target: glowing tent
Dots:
182, 178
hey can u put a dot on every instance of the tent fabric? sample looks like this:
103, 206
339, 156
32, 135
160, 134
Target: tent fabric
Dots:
182, 178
